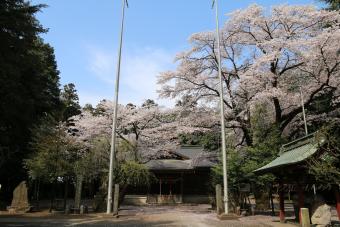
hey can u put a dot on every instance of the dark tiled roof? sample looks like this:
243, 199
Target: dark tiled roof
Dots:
169, 164
189, 152
194, 157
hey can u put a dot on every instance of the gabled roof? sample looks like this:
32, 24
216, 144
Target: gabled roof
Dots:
293, 153
194, 157
169, 164
189, 151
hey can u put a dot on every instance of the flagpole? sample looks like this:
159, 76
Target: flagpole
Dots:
224, 152
113, 161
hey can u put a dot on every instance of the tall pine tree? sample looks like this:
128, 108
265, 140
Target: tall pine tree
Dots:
29, 85
70, 100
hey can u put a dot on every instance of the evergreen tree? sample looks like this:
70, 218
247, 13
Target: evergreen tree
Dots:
88, 107
149, 103
29, 86
332, 4
326, 167
242, 162
70, 101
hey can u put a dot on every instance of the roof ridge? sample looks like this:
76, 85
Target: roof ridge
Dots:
310, 138
188, 145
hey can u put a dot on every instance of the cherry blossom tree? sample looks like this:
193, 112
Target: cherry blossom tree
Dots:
148, 130
267, 58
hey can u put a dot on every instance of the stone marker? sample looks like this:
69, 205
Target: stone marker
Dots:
67, 209
243, 213
82, 209
20, 199
219, 205
305, 220
322, 215
252, 209
238, 210
116, 200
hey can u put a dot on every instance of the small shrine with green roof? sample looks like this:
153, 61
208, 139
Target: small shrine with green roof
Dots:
291, 169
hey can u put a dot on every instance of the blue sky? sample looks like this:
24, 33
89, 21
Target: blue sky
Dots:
84, 34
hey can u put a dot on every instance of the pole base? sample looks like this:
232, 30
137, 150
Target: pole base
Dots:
228, 217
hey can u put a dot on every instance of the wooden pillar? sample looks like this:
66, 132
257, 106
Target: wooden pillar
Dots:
271, 199
337, 196
301, 200
282, 202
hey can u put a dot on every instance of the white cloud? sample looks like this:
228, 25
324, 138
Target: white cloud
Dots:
139, 71
101, 65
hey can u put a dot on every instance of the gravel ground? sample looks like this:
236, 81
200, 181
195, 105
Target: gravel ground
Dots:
154, 216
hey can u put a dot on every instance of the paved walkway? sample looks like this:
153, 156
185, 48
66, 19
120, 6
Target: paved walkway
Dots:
154, 216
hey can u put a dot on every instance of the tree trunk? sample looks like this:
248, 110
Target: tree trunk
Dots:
79, 185
122, 193
65, 193
38, 195
54, 185
261, 199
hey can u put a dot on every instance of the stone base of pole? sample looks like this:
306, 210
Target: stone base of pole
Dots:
228, 217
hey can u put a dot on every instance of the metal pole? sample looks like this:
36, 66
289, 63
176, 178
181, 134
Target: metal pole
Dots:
224, 152
303, 112
113, 162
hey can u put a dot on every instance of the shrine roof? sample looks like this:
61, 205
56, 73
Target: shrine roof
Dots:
169, 164
192, 157
189, 151
293, 153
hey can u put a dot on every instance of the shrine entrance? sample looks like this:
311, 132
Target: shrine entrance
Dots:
184, 177
168, 189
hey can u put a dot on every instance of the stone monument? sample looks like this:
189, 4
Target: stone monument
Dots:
20, 199
322, 216
321, 213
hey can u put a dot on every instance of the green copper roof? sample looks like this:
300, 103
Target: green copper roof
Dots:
292, 153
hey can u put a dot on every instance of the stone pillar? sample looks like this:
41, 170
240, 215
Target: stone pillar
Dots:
219, 204
20, 199
282, 203
79, 185
305, 220
116, 200
82, 209
67, 209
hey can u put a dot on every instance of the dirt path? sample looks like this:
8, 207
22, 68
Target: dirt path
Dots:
130, 216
